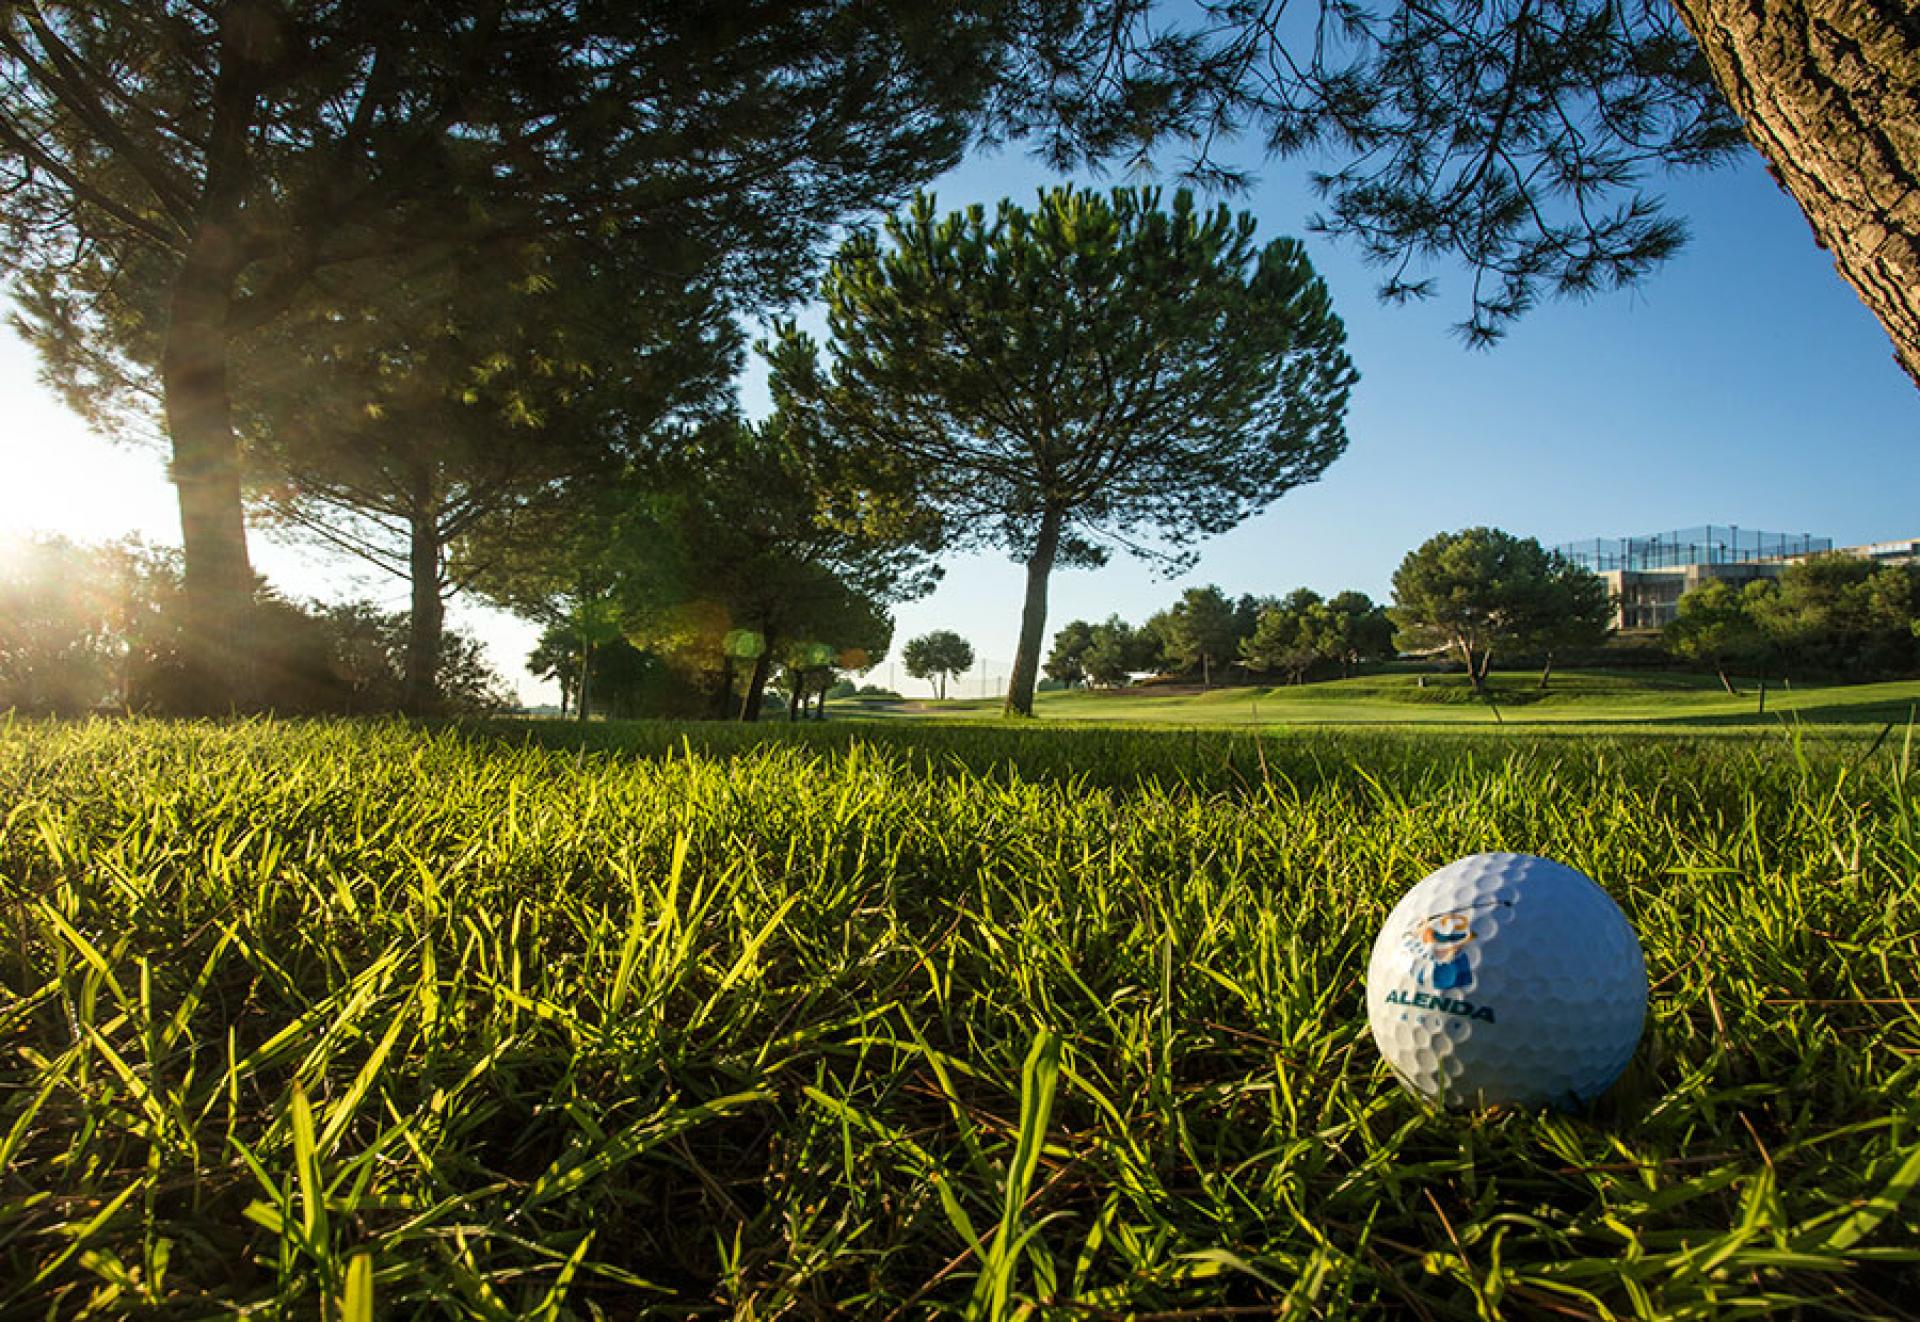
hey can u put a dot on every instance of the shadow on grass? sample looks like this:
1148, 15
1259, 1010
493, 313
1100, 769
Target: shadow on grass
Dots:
1400, 756
1861, 714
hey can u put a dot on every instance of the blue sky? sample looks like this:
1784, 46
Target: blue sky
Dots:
1742, 383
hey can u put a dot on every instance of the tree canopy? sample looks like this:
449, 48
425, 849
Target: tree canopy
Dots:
721, 556
1570, 608
397, 415
1525, 139
1838, 616
1480, 589
1289, 636
175, 176
942, 654
1304, 629
1829, 617
1521, 138
1096, 372
1714, 626
1202, 631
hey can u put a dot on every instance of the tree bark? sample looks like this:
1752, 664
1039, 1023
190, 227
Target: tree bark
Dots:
1545, 671
426, 621
1473, 662
194, 357
757, 684
1829, 91
581, 710
1033, 615
206, 478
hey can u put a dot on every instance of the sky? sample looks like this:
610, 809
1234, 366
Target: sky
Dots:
1742, 383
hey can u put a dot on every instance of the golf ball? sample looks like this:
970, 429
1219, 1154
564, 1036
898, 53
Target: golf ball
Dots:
1506, 978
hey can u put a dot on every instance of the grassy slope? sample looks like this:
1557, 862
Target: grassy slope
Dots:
925, 1021
1682, 703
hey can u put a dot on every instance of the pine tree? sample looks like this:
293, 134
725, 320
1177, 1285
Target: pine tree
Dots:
1095, 372
175, 176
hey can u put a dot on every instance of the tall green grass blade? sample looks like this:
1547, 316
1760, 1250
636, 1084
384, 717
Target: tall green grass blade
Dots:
356, 1304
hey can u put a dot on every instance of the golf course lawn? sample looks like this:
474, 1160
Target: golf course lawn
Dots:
1653, 702
924, 1019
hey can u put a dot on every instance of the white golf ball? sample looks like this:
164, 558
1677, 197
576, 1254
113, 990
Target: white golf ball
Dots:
1506, 978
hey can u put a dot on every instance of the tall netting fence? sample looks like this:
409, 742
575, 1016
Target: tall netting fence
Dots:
1713, 544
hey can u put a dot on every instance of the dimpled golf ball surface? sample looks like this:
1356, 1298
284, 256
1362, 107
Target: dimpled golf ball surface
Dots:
1507, 979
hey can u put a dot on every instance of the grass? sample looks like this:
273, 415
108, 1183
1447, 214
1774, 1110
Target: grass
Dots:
920, 1020
1646, 703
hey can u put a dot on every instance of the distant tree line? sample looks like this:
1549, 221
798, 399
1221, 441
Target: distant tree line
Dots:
1479, 593
1468, 595
1830, 617
1209, 637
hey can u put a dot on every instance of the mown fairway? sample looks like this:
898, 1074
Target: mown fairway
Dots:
1575, 701
922, 1020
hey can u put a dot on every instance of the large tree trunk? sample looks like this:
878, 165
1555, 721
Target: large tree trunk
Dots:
426, 621
206, 476
220, 661
757, 685
1033, 616
1829, 91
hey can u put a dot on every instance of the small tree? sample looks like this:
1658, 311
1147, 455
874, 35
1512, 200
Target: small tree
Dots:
1066, 662
1203, 629
1362, 630
1714, 628
1115, 650
1472, 592
939, 655
1571, 607
715, 561
1093, 372
1292, 634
